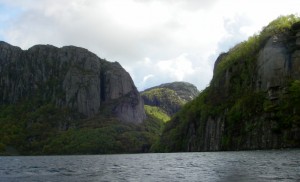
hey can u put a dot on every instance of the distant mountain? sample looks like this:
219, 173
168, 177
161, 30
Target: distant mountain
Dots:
169, 97
68, 101
186, 91
253, 101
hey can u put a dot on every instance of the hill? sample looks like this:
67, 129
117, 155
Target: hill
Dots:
169, 97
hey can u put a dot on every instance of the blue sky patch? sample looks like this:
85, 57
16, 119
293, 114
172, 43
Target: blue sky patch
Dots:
8, 14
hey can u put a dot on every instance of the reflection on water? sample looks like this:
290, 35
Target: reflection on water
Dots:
275, 165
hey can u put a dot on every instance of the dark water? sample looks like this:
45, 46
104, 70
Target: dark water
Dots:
275, 165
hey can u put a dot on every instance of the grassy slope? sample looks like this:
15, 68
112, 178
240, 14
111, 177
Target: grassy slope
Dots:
157, 113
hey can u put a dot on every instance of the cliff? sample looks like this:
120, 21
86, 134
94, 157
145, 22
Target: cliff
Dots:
68, 77
253, 99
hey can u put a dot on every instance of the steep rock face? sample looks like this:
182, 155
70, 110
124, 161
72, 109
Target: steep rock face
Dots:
130, 106
82, 82
69, 77
123, 83
252, 102
273, 63
266, 125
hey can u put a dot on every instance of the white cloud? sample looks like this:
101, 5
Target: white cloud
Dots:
177, 68
180, 68
147, 77
156, 41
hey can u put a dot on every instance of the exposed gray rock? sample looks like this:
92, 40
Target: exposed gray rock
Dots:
131, 107
278, 61
184, 90
214, 132
69, 77
296, 64
273, 63
122, 82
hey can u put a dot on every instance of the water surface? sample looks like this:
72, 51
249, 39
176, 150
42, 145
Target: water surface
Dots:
275, 165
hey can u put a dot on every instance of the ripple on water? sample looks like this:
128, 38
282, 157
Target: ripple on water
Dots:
209, 166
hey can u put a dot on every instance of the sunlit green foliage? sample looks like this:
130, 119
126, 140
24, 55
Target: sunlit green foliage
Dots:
156, 112
247, 50
279, 25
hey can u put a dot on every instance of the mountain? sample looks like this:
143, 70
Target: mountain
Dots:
169, 97
253, 101
67, 100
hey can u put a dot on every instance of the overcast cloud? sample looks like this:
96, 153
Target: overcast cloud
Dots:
156, 41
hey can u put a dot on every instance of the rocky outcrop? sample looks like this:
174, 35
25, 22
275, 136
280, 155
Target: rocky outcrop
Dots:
278, 61
69, 77
273, 63
184, 90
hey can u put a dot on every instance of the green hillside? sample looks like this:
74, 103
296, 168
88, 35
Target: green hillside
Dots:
157, 113
170, 97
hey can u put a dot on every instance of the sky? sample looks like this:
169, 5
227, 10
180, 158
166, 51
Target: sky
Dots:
156, 41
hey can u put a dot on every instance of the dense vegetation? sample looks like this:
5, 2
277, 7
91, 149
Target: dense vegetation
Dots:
49, 130
38, 127
157, 113
245, 109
